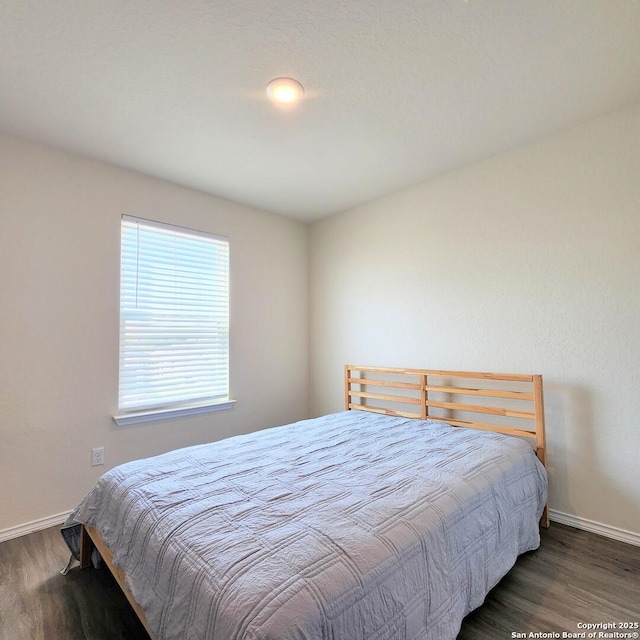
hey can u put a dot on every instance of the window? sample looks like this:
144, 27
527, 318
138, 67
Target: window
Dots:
174, 321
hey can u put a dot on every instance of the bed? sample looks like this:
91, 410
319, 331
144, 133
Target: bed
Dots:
390, 520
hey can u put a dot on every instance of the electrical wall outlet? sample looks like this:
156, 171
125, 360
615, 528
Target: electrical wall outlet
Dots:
97, 456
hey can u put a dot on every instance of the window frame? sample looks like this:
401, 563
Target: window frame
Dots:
182, 407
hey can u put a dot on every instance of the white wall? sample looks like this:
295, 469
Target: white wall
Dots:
528, 262
59, 315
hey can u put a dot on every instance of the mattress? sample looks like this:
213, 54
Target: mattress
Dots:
353, 526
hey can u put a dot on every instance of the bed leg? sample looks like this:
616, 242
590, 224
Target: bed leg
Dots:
544, 521
86, 547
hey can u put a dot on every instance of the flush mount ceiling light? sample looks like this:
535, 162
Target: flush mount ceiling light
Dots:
284, 91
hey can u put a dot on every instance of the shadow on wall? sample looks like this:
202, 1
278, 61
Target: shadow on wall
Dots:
576, 472
564, 406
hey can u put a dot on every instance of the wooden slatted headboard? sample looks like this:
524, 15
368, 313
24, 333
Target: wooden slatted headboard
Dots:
514, 401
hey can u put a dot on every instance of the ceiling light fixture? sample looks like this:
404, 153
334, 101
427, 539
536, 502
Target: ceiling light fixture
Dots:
284, 90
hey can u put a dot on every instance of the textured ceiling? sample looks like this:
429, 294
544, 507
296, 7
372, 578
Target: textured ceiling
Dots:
396, 91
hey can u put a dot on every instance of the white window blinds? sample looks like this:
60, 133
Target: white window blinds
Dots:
174, 317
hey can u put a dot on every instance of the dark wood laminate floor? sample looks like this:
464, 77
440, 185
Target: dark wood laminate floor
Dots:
574, 577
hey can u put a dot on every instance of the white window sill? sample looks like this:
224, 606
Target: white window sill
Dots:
137, 417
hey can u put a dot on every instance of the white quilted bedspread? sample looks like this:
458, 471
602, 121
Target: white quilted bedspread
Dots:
354, 526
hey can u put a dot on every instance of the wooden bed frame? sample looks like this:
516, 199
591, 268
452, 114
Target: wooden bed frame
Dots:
90, 538
420, 394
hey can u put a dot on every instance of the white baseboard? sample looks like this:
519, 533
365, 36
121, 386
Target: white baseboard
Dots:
595, 527
557, 516
31, 527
